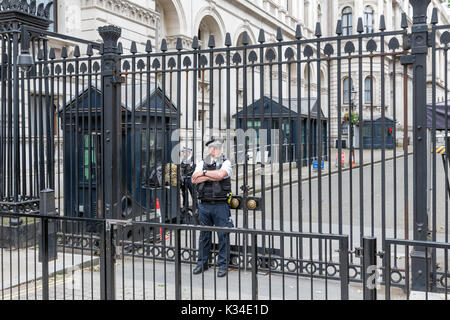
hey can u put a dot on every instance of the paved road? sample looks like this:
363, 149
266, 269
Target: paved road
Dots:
314, 219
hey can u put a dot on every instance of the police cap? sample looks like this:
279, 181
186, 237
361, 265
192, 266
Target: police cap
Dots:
214, 142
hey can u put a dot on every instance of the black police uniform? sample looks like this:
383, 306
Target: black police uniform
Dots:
187, 168
214, 211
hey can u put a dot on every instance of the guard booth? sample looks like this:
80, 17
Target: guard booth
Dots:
377, 126
145, 146
267, 113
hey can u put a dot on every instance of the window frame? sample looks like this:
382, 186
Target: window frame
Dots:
368, 28
368, 87
347, 21
345, 93
53, 27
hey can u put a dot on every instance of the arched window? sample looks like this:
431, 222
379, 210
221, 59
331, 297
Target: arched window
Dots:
209, 26
348, 86
368, 90
368, 19
347, 24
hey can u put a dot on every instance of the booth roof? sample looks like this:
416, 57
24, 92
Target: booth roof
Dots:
126, 95
289, 106
441, 111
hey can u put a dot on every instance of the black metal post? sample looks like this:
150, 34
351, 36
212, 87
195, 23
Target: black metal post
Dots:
107, 262
47, 207
254, 266
178, 288
419, 46
352, 132
369, 267
111, 102
111, 162
387, 270
344, 267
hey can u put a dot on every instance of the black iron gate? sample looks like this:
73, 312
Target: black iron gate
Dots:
97, 123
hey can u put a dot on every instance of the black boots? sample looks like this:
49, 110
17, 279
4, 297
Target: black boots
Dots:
221, 273
200, 269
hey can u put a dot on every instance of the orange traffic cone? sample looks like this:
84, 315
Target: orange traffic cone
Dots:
158, 210
158, 215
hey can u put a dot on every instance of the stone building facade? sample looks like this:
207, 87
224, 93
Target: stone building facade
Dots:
142, 20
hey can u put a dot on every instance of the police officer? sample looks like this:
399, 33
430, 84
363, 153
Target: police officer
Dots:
212, 177
187, 169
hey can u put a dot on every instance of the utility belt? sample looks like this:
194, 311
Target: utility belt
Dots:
213, 201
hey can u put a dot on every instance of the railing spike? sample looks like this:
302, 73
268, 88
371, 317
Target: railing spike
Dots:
164, 45
262, 36
245, 40
89, 50
404, 23
434, 17
339, 27
318, 32
76, 52
211, 41
382, 23
52, 54
133, 48
360, 27
298, 32
148, 46
179, 45
64, 54
228, 40
195, 44
279, 34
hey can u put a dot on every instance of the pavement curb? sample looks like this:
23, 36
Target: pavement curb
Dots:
87, 264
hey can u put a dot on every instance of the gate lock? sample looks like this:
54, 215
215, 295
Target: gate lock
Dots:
359, 253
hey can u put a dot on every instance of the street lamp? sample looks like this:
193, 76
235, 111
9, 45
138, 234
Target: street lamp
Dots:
25, 61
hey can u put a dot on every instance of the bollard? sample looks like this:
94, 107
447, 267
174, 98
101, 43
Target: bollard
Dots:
370, 268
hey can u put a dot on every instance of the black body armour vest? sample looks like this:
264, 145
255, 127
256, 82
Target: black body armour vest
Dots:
214, 190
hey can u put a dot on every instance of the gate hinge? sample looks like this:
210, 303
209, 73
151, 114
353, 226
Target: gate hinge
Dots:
115, 222
408, 59
407, 41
